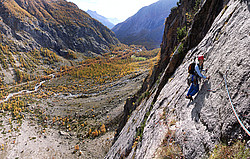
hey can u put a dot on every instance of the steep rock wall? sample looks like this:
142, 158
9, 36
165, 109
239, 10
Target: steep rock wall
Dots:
197, 126
167, 62
173, 21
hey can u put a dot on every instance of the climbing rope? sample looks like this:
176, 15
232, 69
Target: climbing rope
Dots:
215, 87
242, 125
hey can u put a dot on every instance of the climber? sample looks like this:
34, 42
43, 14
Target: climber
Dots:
194, 88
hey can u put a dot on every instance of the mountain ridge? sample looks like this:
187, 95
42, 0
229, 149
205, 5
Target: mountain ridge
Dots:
105, 21
58, 25
146, 26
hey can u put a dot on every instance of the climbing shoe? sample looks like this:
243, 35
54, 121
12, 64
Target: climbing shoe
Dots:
190, 97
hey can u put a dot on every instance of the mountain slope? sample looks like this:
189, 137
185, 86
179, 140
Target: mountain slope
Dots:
59, 25
146, 26
101, 18
165, 124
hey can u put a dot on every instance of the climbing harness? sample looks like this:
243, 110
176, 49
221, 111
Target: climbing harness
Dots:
242, 125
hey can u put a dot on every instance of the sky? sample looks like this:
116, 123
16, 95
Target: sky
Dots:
120, 9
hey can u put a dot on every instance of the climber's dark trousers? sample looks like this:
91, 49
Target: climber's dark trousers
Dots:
193, 89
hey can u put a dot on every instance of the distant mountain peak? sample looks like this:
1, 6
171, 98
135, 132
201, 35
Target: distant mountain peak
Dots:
105, 21
90, 11
146, 26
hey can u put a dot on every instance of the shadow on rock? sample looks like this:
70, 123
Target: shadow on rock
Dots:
247, 1
199, 100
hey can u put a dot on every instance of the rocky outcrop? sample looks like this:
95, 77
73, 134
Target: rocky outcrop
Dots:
59, 25
196, 126
146, 26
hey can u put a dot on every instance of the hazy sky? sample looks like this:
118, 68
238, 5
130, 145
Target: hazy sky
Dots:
120, 9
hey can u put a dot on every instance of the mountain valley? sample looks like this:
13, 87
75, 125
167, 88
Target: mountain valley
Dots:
77, 105
70, 89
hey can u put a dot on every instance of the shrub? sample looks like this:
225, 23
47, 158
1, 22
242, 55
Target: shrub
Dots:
103, 129
180, 48
181, 33
197, 5
237, 150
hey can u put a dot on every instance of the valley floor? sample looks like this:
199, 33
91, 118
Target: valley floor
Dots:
49, 134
